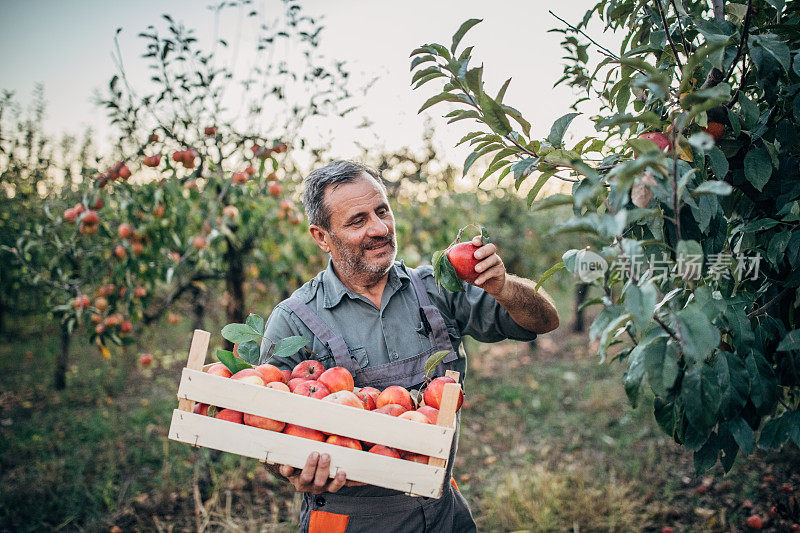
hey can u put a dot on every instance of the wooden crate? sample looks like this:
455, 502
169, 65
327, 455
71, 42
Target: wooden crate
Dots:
413, 478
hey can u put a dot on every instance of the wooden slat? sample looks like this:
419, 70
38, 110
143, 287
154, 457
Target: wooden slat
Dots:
425, 439
452, 374
447, 414
197, 356
407, 476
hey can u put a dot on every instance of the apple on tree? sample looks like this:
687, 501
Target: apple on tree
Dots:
457, 263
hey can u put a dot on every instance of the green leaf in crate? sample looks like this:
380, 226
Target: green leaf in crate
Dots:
239, 333
255, 322
249, 351
233, 363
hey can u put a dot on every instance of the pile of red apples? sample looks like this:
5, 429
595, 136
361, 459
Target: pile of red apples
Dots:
310, 378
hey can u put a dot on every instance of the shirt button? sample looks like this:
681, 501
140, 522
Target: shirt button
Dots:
394, 356
320, 501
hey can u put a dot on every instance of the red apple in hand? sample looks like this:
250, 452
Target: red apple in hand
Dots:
312, 389
308, 369
337, 378
462, 257
435, 389
395, 394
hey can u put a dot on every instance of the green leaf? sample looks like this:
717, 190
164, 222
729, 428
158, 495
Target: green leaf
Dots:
233, 363
502, 92
763, 384
706, 456
255, 322
442, 97
249, 351
734, 382
458, 35
552, 201
421, 59
239, 333
640, 301
719, 163
550, 271
698, 336
701, 396
289, 346
418, 75
469, 136
772, 45
436, 261
428, 78
743, 434
449, 278
664, 412
433, 361
757, 167
475, 80
538, 186
790, 342
516, 115
493, 115
559, 127
776, 432
632, 378
661, 362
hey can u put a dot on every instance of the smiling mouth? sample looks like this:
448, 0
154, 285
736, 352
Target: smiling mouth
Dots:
380, 247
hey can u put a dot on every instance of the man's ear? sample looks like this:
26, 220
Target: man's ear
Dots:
320, 235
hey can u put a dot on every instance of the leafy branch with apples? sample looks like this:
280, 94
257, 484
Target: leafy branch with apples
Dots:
697, 158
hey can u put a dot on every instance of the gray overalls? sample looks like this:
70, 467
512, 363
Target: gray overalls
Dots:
372, 509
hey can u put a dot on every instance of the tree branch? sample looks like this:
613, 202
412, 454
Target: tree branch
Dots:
669, 37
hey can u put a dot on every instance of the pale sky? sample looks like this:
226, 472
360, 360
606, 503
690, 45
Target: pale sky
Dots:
67, 46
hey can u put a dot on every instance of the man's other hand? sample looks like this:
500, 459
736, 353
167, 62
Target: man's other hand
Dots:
315, 475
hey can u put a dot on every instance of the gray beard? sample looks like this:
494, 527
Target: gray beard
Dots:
355, 267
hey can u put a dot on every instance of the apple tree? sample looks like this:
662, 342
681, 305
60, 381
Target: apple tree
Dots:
210, 146
690, 192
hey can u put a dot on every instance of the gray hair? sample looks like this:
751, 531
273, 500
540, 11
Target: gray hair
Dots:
334, 173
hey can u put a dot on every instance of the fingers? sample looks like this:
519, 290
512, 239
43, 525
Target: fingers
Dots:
315, 476
496, 272
323, 471
286, 471
338, 481
306, 477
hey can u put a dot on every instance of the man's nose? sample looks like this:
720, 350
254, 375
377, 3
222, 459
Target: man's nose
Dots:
377, 227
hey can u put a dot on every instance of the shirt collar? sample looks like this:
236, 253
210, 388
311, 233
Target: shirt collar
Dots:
334, 290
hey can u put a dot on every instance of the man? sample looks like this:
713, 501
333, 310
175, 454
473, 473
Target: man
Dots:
382, 320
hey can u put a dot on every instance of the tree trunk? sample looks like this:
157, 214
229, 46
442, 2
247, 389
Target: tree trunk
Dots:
198, 307
61, 359
234, 285
580, 295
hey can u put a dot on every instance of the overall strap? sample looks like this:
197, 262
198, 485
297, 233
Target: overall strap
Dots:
334, 342
440, 340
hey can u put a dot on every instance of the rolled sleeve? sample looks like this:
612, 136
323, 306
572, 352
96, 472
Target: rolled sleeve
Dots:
479, 315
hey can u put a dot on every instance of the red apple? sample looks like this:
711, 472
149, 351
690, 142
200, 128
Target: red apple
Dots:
395, 394
661, 140
431, 412
347, 442
337, 378
263, 422
278, 385
219, 369
308, 369
293, 383
345, 397
304, 432
287, 375
391, 409
755, 522
231, 416
462, 257
435, 389
372, 391
415, 457
145, 358
269, 372
366, 399
249, 375
210, 131
201, 408
415, 416
312, 388
380, 449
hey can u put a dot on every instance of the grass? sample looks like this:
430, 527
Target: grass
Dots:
548, 443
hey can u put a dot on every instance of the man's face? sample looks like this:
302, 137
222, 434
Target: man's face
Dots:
361, 238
